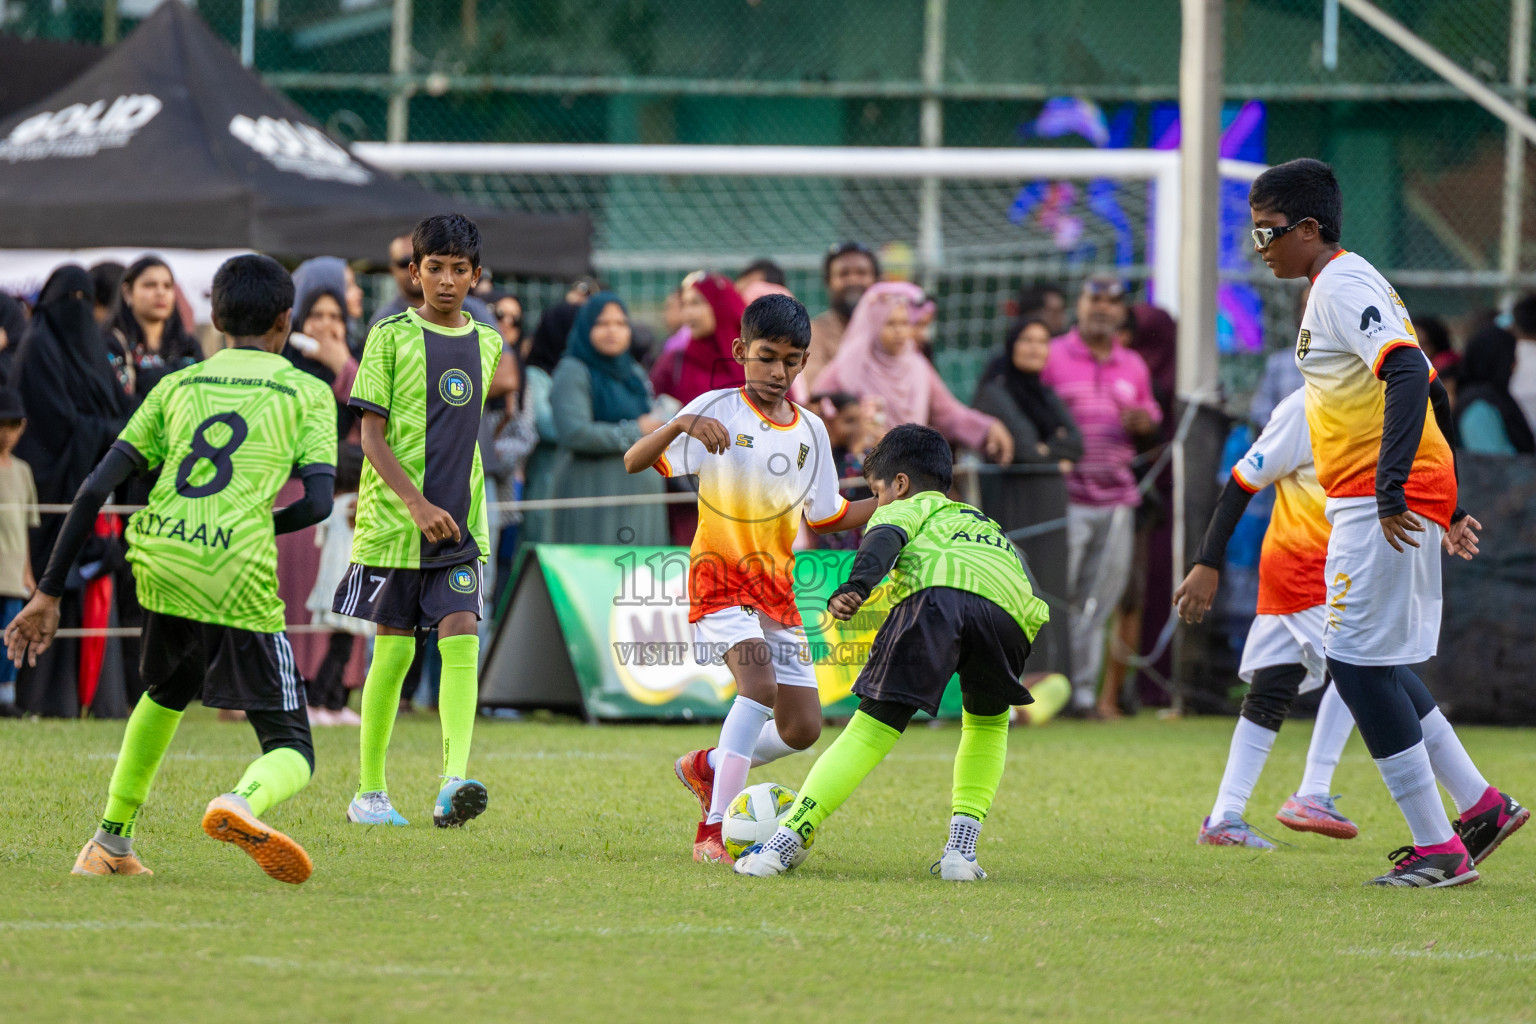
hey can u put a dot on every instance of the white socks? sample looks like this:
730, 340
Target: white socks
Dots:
1411, 781
733, 758
1453, 767
1251, 745
770, 747
963, 833
1329, 734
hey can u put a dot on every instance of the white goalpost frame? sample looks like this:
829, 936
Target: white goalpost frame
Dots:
1161, 166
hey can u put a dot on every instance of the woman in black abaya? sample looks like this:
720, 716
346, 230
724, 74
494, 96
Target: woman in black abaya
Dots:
75, 411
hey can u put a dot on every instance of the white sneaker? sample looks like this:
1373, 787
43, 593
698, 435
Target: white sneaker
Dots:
319, 717
374, 808
346, 716
760, 863
955, 866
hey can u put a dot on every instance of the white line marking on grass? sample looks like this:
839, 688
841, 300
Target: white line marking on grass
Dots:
1440, 954
99, 926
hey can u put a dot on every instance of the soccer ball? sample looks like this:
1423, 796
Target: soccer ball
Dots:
754, 815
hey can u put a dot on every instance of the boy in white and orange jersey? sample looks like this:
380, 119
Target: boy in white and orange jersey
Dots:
1283, 655
1390, 478
763, 463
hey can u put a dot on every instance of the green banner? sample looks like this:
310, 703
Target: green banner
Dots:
622, 619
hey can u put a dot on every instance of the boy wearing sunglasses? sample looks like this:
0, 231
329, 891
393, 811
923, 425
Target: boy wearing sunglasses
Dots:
1390, 479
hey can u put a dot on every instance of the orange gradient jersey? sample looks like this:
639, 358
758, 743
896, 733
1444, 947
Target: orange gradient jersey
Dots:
1295, 552
1353, 320
751, 500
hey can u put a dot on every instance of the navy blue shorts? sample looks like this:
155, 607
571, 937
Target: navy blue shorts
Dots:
409, 598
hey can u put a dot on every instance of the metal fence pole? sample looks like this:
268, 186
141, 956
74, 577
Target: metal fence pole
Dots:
398, 127
1512, 226
930, 237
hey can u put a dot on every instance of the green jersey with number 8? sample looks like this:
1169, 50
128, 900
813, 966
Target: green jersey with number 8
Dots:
227, 433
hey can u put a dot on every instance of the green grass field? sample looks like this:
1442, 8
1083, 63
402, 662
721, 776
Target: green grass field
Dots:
574, 898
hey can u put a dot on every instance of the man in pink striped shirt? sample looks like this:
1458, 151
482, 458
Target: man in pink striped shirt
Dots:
1108, 390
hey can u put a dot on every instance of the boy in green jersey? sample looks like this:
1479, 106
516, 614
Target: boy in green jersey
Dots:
960, 601
226, 433
421, 521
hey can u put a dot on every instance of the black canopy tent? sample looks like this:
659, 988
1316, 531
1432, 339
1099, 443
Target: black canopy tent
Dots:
168, 141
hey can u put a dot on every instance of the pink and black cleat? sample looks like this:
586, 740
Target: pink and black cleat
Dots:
1488, 823
1428, 867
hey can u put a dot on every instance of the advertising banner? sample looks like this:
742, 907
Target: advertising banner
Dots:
602, 631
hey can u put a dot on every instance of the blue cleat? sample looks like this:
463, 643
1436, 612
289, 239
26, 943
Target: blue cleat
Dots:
373, 809
457, 802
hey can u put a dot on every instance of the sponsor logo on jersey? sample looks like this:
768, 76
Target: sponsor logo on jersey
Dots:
1303, 344
299, 149
805, 450
455, 387
80, 129
744, 440
462, 579
1370, 316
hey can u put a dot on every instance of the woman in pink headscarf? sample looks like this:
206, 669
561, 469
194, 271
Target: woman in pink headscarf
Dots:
879, 358
702, 361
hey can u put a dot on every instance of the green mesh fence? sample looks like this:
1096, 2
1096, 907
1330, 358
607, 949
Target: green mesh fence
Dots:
1422, 167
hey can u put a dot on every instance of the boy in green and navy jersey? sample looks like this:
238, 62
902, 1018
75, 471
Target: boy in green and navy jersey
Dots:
960, 601
227, 433
421, 525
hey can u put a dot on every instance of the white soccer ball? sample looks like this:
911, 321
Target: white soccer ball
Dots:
753, 816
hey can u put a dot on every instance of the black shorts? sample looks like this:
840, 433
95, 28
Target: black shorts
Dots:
937, 632
232, 668
409, 598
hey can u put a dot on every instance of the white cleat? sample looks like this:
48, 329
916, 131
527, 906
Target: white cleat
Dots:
955, 866
760, 863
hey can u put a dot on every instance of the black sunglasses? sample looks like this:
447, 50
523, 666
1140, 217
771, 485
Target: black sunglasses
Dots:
1263, 238
837, 249
404, 262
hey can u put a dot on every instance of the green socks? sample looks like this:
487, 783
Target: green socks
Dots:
381, 703
979, 762
273, 778
149, 733
838, 772
458, 696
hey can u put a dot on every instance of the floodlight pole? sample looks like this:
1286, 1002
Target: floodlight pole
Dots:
1200, 94
248, 33
1512, 227
398, 124
930, 237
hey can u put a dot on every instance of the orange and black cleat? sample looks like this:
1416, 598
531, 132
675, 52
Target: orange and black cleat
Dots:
96, 859
282, 858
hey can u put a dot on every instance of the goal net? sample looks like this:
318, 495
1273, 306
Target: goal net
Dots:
974, 227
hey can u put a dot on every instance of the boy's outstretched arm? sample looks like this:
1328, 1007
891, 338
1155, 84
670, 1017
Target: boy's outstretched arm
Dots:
434, 523
644, 453
877, 553
32, 631
1194, 596
857, 515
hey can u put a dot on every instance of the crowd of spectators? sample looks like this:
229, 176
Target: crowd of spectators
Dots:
1081, 402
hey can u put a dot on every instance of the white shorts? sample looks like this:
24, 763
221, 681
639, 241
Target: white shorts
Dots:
719, 631
1383, 605
1294, 639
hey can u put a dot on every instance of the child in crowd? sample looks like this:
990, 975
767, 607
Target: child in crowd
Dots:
960, 601
16, 492
844, 416
763, 463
